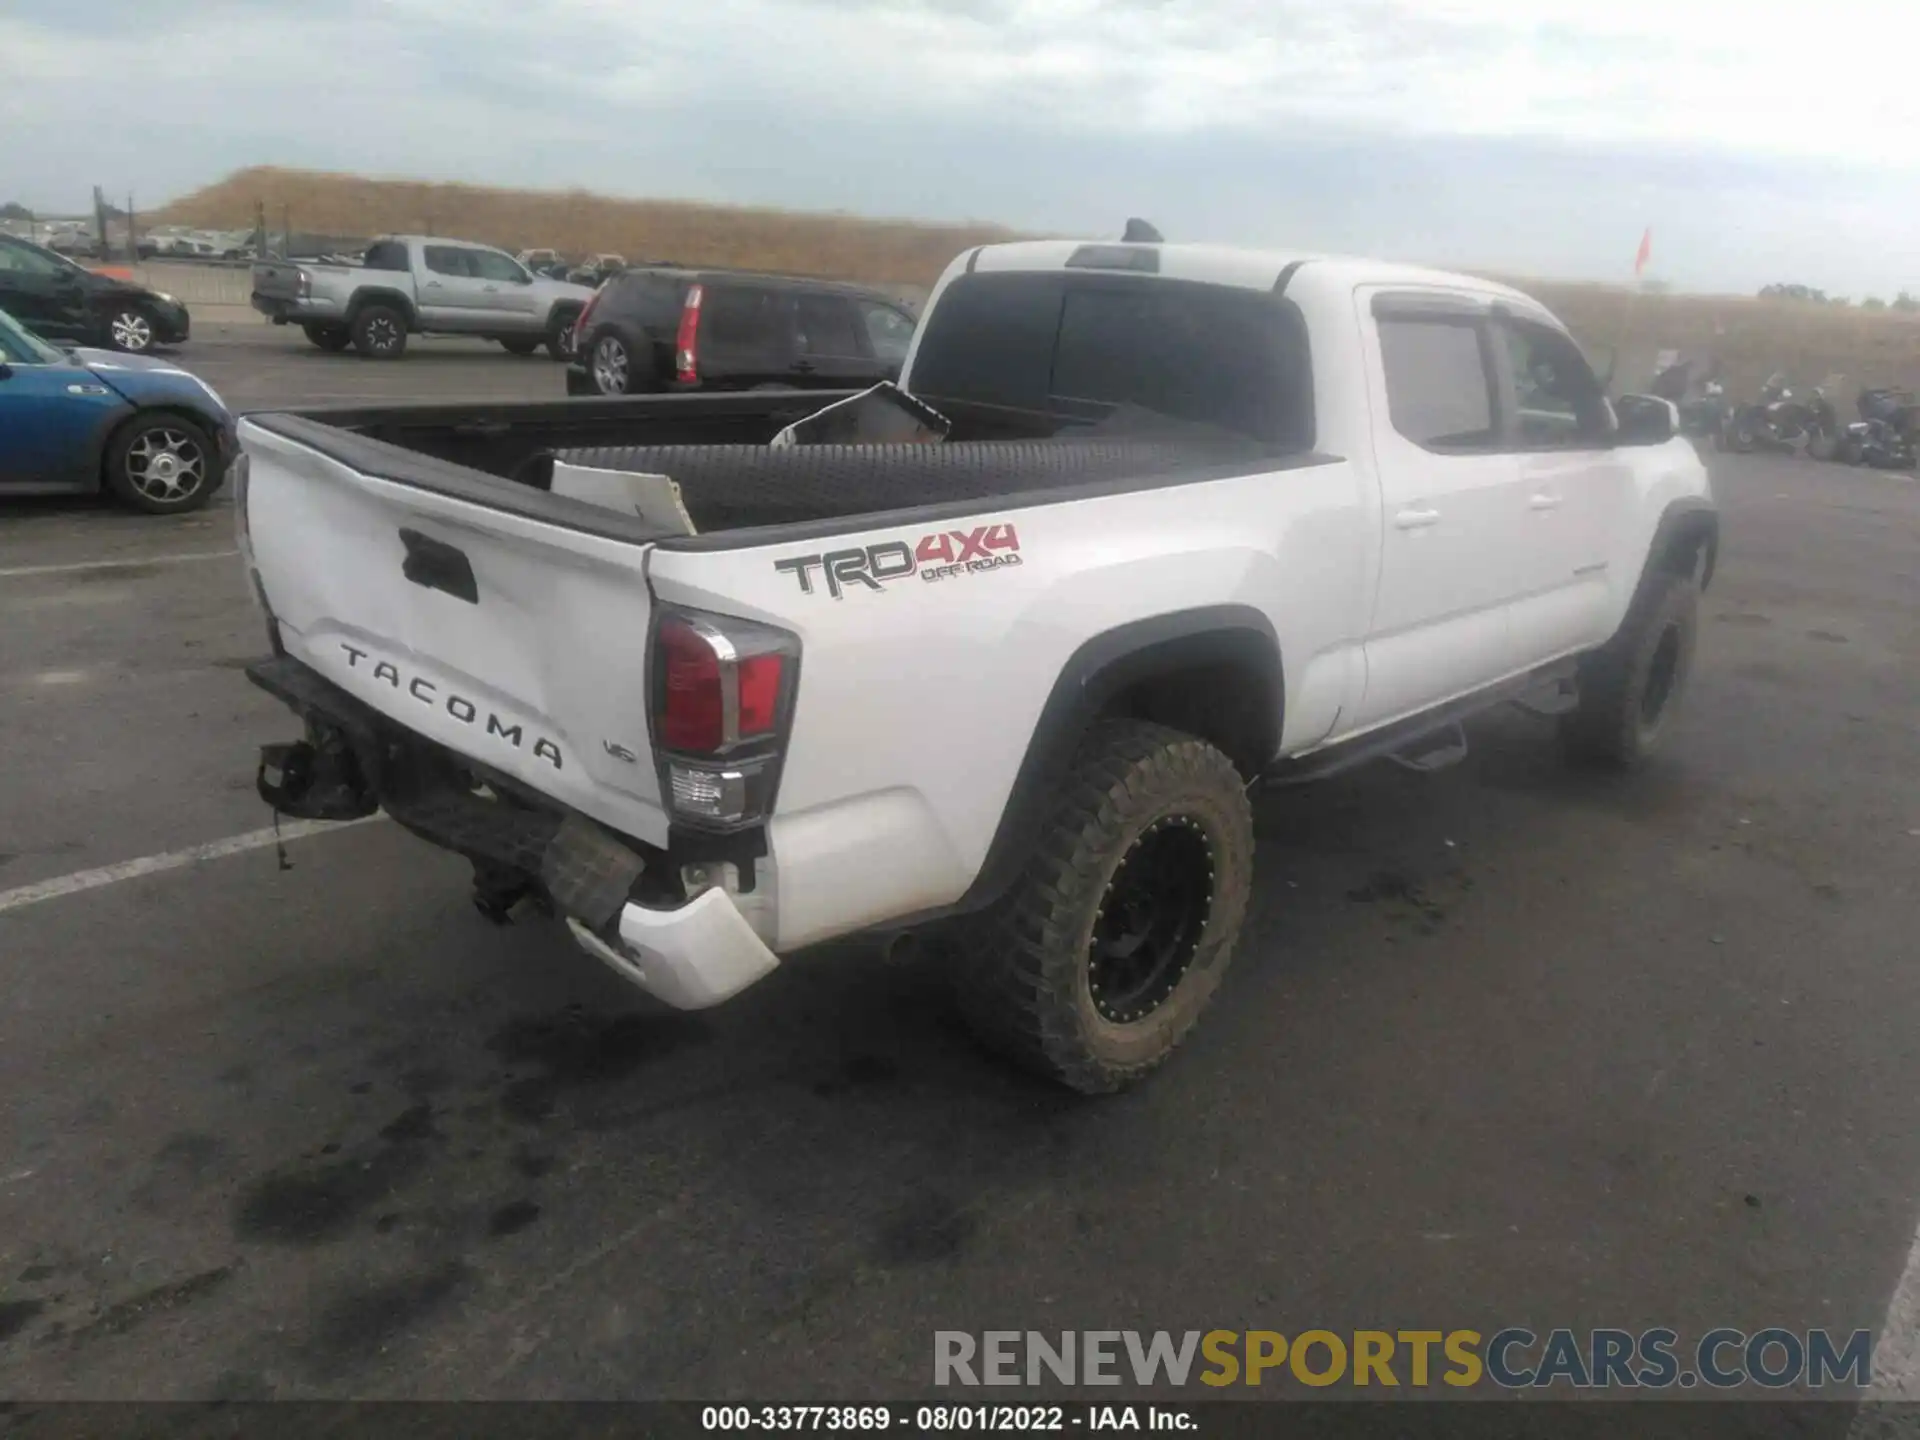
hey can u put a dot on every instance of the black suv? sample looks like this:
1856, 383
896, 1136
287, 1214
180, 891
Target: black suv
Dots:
656, 328
59, 300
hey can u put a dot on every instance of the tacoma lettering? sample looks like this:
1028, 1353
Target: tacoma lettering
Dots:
459, 707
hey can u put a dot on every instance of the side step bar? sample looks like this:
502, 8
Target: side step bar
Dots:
1412, 742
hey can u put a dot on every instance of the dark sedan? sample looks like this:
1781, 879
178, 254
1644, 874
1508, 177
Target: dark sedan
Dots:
60, 300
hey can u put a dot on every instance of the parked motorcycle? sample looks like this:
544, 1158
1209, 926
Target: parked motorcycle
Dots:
1702, 413
1885, 434
1776, 421
1824, 430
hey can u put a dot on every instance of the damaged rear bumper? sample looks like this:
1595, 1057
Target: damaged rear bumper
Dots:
625, 902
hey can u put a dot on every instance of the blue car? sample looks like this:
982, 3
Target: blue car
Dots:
73, 421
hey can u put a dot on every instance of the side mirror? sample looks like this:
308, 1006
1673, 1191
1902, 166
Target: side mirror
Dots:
6, 371
1645, 420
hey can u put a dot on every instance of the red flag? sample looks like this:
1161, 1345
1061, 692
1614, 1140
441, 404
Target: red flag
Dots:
1646, 251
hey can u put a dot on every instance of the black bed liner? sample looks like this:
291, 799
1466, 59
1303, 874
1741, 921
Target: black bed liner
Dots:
747, 493
732, 487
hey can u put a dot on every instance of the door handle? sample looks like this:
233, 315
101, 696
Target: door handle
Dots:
433, 284
491, 289
1415, 519
803, 367
1543, 501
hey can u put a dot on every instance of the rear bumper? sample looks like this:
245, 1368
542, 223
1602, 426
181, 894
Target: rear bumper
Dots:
282, 310
623, 901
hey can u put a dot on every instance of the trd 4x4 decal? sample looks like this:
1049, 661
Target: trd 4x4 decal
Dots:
939, 556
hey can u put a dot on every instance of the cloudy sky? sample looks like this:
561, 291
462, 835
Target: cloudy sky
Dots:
1533, 136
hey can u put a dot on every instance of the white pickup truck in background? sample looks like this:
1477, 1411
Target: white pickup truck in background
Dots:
1205, 518
420, 285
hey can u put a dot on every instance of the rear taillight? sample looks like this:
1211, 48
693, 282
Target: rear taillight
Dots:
686, 349
722, 699
580, 325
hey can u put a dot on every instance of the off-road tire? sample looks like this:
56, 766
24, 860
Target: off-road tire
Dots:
1022, 969
331, 338
380, 333
520, 344
1630, 688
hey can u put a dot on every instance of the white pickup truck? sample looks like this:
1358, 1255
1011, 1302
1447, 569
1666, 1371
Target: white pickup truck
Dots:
420, 285
1205, 519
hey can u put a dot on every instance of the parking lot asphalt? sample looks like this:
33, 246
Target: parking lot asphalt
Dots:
1504, 1045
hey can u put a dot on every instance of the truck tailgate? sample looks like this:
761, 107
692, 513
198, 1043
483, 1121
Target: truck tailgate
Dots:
515, 640
277, 279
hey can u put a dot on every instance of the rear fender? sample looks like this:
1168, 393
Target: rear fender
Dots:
399, 300
1100, 674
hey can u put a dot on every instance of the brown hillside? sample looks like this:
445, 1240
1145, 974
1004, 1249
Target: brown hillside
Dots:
575, 222
1753, 337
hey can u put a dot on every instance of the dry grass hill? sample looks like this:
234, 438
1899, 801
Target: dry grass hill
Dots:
1752, 336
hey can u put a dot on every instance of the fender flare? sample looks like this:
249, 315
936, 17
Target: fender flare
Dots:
399, 300
1689, 524
1097, 672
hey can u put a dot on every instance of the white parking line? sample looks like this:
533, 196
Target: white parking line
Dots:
18, 571
1896, 1354
172, 860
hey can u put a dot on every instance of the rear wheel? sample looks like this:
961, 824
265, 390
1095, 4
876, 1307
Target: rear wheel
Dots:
380, 333
1100, 959
519, 344
1851, 451
162, 464
1740, 436
610, 364
331, 338
1822, 445
1629, 689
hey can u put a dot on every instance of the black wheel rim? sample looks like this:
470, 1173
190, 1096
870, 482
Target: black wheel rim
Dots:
1662, 674
1150, 921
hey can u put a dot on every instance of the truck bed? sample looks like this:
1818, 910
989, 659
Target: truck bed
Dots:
715, 447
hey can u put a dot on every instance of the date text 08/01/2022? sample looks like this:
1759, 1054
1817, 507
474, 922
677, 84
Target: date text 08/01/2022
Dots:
924, 1419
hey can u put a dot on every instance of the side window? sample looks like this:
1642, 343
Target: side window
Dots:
826, 326
889, 333
742, 318
1557, 400
448, 260
492, 265
24, 261
1439, 394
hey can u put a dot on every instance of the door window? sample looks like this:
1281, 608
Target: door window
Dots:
449, 260
20, 346
826, 326
25, 260
1558, 403
1439, 390
743, 319
493, 266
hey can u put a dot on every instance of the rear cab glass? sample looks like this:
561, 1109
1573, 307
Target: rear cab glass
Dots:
386, 255
1079, 346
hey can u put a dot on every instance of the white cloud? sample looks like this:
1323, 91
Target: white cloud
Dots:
1017, 109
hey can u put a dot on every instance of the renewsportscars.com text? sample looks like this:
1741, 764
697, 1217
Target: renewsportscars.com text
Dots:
1513, 1358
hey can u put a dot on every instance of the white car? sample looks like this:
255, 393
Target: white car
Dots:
1205, 518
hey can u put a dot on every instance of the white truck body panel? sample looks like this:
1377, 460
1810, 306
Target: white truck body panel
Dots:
1394, 578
